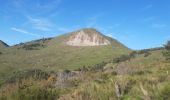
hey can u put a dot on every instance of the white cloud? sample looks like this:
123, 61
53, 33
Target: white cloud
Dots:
37, 8
110, 35
23, 31
147, 19
147, 7
125, 36
49, 5
40, 24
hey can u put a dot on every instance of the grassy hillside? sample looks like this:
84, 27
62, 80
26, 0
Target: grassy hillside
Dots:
53, 54
138, 78
48, 69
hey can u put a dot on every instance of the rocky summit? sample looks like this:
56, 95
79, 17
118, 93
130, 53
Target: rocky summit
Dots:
87, 37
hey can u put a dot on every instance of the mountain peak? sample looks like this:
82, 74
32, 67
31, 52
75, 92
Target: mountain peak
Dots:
87, 37
3, 44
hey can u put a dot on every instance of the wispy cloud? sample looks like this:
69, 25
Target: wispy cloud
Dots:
155, 25
49, 5
37, 8
68, 29
117, 36
147, 7
110, 35
23, 31
147, 19
40, 23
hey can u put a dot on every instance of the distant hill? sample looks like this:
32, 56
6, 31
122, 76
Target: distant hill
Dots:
85, 47
3, 44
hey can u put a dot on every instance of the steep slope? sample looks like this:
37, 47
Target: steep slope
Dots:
55, 53
3, 45
87, 37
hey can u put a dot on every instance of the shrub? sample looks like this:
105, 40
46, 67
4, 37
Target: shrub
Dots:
121, 59
36, 74
133, 54
143, 51
66, 71
30, 93
147, 54
34, 46
43, 40
165, 92
83, 69
166, 53
99, 66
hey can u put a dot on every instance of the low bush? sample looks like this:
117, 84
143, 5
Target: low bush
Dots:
43, 40
99, 66
35, 74
166, 53
34, 46
165, 92
121, 59
147, 54
31, 92
133, 54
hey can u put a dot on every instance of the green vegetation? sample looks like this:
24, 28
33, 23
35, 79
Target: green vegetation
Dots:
53, 54
130, 80
166, 53
30, 89
47, 69
139, 78
35, 46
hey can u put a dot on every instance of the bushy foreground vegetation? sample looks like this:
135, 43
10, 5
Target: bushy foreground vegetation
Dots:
30, 85
166, 53
135, 79
141, 75
30, 90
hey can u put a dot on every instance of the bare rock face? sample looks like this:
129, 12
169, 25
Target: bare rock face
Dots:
87, 37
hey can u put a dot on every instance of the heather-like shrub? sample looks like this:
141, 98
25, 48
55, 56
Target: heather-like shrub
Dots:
166, 53
35, 74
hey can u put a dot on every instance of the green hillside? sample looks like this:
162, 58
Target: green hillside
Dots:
140, 78
143, 76
50, 69
52, 54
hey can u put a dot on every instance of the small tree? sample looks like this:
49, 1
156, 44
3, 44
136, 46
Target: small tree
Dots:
166, 53
147, 54
121, 59
133, 54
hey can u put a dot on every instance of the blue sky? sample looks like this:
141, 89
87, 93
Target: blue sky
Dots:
138, 24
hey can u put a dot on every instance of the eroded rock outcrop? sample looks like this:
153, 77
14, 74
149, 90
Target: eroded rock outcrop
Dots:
87, 37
